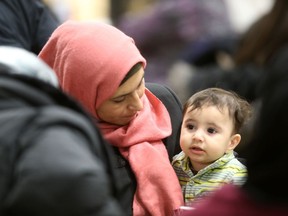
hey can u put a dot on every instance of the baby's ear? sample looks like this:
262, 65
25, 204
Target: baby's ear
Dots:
234, 141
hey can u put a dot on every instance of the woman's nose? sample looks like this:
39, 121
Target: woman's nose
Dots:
136, 102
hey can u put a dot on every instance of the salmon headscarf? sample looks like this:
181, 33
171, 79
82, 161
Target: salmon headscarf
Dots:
91, 59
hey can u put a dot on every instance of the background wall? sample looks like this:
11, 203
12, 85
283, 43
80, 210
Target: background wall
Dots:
80, 9
244, 12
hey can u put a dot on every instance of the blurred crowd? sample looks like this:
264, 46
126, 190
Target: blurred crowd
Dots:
167, 32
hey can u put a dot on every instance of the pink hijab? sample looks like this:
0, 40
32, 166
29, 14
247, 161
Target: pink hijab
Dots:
90, 60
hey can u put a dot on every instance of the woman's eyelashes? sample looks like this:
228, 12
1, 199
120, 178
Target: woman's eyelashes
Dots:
119, 99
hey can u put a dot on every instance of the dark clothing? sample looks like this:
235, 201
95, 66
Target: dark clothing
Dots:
26, 24
174, 107
270, 131
242, 80
126, 180
231, 200
53, 161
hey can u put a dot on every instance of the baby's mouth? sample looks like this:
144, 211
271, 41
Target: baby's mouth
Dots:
196, 149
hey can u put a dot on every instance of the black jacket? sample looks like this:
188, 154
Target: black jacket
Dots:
26, 24
53, 161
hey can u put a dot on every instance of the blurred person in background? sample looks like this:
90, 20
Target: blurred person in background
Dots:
162, 30
26, 24
240, 68
120, 8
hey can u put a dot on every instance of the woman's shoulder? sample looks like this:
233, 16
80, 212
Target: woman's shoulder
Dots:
165, 94
174, 107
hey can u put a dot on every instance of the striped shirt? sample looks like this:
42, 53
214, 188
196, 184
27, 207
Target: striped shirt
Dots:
226, 169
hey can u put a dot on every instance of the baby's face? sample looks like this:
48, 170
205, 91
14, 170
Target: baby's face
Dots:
206, 135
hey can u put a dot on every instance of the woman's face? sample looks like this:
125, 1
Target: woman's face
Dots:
123, 106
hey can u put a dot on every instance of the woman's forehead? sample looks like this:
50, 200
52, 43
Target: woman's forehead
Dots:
131, 84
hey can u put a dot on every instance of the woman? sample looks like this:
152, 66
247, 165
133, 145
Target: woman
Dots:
101, 67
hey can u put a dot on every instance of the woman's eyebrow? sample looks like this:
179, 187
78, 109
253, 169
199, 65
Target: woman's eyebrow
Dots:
130, 92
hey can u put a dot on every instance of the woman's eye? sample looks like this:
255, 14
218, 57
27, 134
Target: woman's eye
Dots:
211, 130
119, 99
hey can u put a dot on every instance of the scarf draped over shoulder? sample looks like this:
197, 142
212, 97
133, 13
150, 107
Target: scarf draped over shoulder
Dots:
91, 59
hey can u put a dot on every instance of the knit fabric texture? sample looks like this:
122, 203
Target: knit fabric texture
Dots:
226, 169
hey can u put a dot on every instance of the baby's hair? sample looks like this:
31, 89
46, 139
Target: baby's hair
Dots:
239, 109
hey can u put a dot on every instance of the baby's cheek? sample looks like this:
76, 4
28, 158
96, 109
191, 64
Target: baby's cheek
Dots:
184, 140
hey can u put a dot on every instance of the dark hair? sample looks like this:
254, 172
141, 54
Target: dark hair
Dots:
267, 161
239, 109
265, 36
132, 71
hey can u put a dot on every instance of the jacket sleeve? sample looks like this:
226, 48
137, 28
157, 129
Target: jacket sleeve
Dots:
57, 173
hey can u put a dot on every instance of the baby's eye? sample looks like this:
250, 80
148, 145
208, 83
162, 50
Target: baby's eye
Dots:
211, 130
190, 126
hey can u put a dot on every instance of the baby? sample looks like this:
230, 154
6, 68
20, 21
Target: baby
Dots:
212, 119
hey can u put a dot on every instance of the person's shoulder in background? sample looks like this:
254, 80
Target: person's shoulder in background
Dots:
26, 24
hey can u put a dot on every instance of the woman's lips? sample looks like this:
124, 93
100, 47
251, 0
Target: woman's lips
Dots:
130, 116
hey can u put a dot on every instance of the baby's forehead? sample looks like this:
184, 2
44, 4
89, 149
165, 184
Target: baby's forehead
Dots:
209, 115
208, 110
194, 108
